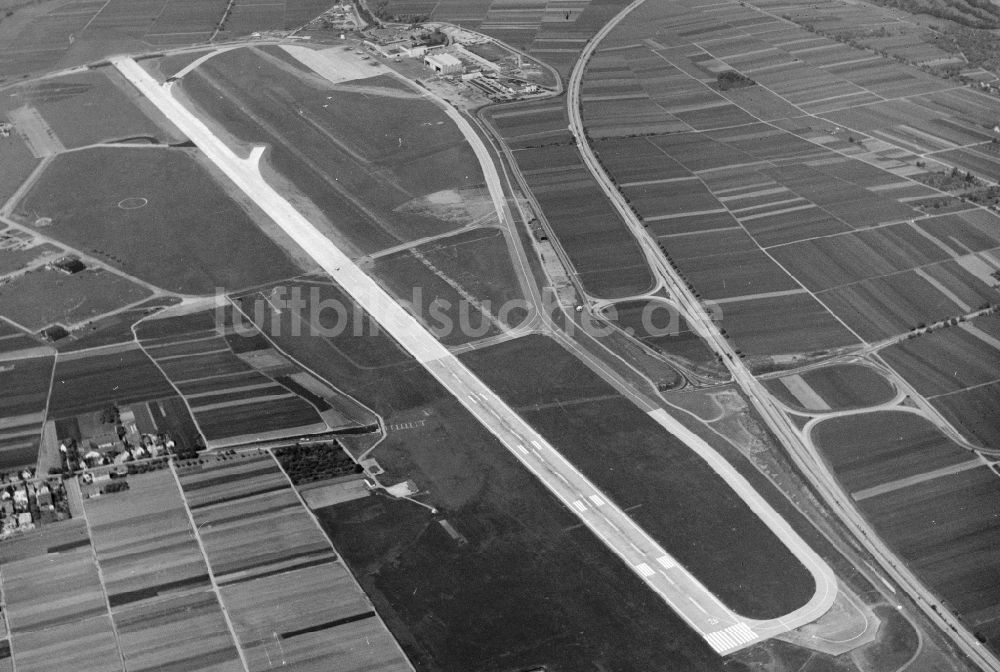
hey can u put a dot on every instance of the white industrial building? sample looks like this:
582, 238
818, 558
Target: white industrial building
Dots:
444, 64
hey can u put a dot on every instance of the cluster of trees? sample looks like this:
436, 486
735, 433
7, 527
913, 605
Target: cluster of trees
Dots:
981, 14
305, 463
120, 485
368, 17
730, 79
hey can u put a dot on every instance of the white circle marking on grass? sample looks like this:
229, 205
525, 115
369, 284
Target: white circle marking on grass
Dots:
133, 203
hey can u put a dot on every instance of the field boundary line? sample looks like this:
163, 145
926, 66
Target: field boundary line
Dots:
104, 587
208, 567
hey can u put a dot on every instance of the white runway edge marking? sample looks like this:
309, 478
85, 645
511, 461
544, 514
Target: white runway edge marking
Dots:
645, 569
597, 500
580, 506
731, 638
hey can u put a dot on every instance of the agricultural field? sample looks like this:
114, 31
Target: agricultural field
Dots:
18, 162
39, 597
973, 412
605, 256
144, 210
159, 558
249, 16
461, 286
231, 499
85, 385
43, 297
871, 449
948, 360
878, 308
172, 416
92, 107
237, 397
947, 530
783, 324
525, 555
755, 215
13, 339
90, 382
362, 154
662, 327
26, 386
832, 388
935, 503
39, 37
285, 591
668, 490
22, 409
156, 579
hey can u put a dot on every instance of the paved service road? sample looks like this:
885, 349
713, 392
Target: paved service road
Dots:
724, 630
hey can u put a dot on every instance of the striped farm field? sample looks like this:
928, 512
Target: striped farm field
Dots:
949, 360
22, 409
88, 382
974, 412
935, 503
877, 308
144, 541
288, 596
605, 255
873, 449
810, 231
790, 323
832, 388
185, 631
230, 378
50, 581
156, 578
948, 529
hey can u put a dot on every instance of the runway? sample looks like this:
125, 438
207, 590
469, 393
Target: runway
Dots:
724, 630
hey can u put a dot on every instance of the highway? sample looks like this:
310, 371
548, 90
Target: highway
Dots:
724, 630
805, 455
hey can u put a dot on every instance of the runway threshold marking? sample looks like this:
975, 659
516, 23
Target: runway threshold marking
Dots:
522, 449
597, 500
580, 506
731, 637
666, 561
645, 569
